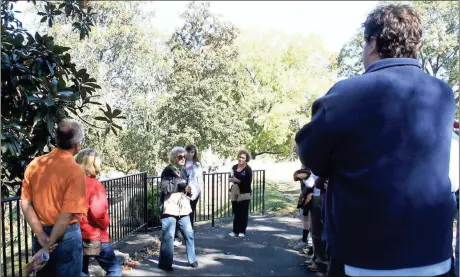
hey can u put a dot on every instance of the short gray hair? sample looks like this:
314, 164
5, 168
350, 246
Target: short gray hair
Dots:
69, 133
174, 152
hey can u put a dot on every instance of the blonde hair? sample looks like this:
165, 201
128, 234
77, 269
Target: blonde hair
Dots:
90, 160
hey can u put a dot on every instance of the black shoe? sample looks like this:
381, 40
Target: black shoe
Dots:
166, 268
195, 264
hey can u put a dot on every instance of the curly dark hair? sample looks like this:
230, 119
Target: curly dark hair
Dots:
397, 30
245, 152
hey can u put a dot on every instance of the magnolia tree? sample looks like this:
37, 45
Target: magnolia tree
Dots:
41, 85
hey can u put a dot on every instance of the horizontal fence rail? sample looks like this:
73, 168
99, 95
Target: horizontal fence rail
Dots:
133, 205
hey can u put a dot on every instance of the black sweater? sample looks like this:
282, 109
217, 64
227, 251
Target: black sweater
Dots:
245, 177
173, 180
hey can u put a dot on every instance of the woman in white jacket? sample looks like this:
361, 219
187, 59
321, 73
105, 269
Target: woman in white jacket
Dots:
195, 176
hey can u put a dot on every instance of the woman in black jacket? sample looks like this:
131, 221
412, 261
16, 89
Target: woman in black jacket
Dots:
240, 193
175, 208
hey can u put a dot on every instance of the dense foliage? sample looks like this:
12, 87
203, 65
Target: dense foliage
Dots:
40, 85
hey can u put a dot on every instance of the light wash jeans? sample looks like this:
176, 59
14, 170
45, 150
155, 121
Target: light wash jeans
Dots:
168, 226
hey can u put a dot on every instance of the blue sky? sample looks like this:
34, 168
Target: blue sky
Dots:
334, 21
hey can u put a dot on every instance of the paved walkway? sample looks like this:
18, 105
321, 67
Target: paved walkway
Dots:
265, 251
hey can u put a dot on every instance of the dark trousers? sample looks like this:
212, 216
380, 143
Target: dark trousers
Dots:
240, 216
106, 259
193, 204
337, 269
319, 246
67, 258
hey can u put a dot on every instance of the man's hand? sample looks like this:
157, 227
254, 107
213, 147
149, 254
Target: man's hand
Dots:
188, 189
35, 260
44, 241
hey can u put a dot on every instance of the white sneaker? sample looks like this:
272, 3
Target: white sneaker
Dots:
241, 235
232, 234
300, 245
177, 243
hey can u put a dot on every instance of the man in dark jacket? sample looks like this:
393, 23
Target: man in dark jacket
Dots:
383, 139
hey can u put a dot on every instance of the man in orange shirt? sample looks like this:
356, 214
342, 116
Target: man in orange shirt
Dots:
53, 199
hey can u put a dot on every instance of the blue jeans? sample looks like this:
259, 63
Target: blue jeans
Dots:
67, 258
168, 226
106, 259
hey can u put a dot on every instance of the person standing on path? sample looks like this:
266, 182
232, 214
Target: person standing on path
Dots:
195, 175
175, 207
320, 260
383, 139
307, 182
241, 193
95, 222
53, 199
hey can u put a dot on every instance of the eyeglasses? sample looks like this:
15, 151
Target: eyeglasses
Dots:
181, 157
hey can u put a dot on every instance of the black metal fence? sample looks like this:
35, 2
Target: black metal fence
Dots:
214, 201
127, 196
133, 205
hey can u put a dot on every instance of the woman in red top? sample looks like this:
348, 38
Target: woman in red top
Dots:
95, 223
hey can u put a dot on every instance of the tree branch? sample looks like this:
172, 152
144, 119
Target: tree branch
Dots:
436, 69
92, 125
253, 77
431, 66
268, 152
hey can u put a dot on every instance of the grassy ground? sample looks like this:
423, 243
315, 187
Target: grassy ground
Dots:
281, 198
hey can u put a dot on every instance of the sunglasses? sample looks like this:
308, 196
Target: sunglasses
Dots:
181, 157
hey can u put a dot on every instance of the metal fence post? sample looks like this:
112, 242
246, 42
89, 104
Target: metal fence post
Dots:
263, 193
212, 198
146, 218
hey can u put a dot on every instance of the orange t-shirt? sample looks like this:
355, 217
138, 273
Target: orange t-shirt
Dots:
55, 183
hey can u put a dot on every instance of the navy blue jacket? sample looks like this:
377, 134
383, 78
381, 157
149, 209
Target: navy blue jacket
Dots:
383, 139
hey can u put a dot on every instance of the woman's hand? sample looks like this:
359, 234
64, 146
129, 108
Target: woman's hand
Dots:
188, 189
